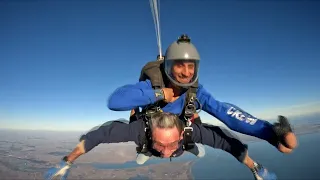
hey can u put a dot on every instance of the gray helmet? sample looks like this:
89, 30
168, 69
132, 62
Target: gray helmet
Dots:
181, 50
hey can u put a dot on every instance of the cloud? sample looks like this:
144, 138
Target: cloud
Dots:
291, 111
48, 123
14, 121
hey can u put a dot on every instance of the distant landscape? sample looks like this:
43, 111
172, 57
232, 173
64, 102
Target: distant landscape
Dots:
27, 154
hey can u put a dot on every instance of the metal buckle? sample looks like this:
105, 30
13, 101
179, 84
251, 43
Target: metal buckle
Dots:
191, 107
188, 128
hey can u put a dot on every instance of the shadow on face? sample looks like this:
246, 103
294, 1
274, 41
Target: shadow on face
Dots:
166, 141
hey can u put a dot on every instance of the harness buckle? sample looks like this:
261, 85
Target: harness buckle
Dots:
188, 129
188, 143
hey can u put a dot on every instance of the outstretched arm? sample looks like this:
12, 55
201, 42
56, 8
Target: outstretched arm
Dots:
110, 132
236, 118
131, 96
219, 138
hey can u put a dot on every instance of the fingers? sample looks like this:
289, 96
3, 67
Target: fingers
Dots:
168, 94
284, 149
284, 131
291, 140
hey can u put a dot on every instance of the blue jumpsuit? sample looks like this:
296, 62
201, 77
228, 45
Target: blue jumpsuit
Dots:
141, 94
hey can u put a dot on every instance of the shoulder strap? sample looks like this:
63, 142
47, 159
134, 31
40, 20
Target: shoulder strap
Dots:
152, 71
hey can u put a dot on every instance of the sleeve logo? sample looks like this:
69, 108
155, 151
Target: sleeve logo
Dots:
240, 116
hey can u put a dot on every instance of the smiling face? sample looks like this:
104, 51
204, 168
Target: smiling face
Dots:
183, 71
166, 140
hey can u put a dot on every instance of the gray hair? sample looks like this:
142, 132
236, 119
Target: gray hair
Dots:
165, 120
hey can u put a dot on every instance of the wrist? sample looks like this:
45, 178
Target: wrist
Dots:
65, 159
159, 94
273, 138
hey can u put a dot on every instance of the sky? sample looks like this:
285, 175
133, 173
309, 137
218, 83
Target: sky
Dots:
60, 60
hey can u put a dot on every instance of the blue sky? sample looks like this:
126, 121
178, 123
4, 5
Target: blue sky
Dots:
60, 60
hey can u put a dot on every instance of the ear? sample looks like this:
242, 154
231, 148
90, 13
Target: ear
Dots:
181, 135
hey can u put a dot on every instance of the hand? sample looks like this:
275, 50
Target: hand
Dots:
132, 112
287, 140
62, 169
168, 94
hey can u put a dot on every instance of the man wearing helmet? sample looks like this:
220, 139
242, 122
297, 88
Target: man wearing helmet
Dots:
179, 88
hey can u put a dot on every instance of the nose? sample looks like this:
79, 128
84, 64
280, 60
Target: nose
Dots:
185, 71
166, 155
167, 152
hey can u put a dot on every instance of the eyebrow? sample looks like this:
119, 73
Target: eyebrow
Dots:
168, 144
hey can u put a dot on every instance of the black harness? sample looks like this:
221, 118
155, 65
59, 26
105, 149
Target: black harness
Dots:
154, 72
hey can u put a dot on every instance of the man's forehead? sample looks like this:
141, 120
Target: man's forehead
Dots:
165, 131
165, 135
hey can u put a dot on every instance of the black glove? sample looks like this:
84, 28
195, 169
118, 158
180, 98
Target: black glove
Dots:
281, 128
